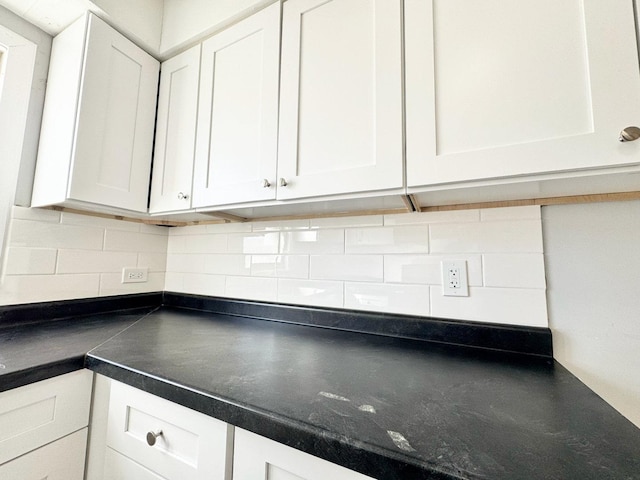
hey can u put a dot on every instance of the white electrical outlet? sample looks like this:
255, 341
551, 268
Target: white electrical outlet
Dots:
454, 278
134, 275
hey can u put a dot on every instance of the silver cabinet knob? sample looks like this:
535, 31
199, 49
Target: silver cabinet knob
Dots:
152, 437
182, 196
283, 182
266, 183
630, 134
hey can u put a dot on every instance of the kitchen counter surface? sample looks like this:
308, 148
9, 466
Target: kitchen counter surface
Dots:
37, 350
387, 407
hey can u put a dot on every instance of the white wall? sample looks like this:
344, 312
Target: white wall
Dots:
59, 256
592, 256
140, 20
21, 102
385, 263
186, 22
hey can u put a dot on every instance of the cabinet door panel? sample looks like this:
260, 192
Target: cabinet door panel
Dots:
237, 121
498, 88
119, 467
60, 460
258, 458
115, 123
175, 133
191, 445
42, 412
341, 97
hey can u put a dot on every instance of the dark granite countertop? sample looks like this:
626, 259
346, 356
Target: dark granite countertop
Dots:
390, 408
34, 350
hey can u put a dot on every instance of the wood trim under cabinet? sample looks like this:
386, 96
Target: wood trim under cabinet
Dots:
409, 200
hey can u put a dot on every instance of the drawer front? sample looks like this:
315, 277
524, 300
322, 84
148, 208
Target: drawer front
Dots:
191, 445
119, 467
60, 460
37, 414
259, 458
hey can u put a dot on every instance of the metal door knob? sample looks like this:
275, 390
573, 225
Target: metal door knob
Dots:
152, 437
182, 196
630, 134
266, 183
283, 182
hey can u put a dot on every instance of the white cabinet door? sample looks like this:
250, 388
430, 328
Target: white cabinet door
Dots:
189, 444
175, 133
258, 458
236, 145
340, 97
60, 460
98, 120
502, 88
41, 412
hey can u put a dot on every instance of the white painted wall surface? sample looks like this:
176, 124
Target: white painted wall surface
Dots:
25, 69
186, 22
140, 20
592, 256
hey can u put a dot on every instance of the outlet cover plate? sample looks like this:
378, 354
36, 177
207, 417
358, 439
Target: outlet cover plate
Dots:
134, 275
454, 278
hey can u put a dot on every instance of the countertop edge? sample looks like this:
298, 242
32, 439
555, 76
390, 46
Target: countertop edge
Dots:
349, 453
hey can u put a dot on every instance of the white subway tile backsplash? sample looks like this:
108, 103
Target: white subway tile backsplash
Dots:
35, 214
123, 241
248, 243
190, 230
385, 263
513, 306
43, 288
405, 299
252, 288
348, 222
454, 216
282, 266
311, 292
204, 243
522, 236
226, 264
229, 228
111, 284
31, 261
86, 220
88, 261
155, 262
277, 226
427, 269
26, 233
514, 271
531, 212
185, 263
361, 268
312, 242
404, 239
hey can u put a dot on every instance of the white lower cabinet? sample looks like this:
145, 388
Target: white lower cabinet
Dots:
188, 445
155, 438
258, 458
60, 460
43, 428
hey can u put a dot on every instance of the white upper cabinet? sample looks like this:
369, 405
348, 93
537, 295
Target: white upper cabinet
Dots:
98, 120
236, 146
340, 98
497, 88
175, 133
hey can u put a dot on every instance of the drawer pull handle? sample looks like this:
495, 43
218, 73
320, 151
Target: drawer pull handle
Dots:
152, 437
630, 134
